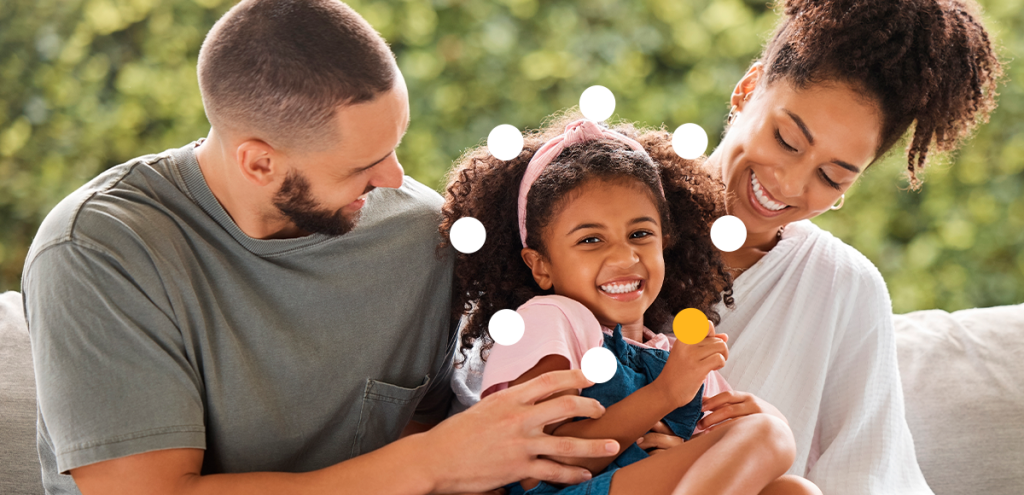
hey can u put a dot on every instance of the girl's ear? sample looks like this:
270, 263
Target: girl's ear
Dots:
538, 266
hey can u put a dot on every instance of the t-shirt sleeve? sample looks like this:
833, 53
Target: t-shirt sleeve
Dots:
113, 374
555, 325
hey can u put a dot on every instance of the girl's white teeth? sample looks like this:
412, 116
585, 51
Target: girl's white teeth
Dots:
620, 288
762, 198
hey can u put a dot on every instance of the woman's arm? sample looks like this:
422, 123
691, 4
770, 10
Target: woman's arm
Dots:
862, 417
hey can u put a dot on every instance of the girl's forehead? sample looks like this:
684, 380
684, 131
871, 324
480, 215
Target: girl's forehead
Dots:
605, 198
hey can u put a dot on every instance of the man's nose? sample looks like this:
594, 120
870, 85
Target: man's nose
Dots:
389, 173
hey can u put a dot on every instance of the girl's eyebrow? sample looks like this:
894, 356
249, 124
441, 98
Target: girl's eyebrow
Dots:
601, 226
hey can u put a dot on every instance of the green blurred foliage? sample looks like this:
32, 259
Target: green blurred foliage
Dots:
87, 84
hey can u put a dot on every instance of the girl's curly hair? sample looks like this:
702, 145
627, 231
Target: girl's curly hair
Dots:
486, 188
927, 63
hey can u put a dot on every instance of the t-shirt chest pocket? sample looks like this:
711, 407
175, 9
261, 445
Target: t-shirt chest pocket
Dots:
385, 411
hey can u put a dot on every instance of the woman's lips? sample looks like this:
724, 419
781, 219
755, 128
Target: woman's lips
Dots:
756, 205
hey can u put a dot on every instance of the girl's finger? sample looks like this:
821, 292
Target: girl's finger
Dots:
661, 427
659, 441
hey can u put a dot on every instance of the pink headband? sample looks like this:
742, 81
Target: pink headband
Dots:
577, 132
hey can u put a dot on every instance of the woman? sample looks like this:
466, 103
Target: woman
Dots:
811, 332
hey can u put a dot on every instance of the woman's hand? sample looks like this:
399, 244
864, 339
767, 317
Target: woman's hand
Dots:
688, 365
659, 439
729, 405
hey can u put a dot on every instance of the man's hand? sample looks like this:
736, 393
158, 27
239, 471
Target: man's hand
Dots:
729, 405
500, 439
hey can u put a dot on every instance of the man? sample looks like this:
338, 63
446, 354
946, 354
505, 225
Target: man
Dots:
264, 311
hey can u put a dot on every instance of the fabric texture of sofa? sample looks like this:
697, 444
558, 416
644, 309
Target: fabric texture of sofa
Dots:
963, 379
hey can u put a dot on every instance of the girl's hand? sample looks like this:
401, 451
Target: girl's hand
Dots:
729, 405
659, 439
688, 365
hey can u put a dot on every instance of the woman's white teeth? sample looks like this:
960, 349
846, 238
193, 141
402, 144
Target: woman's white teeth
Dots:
762, 197
620, 288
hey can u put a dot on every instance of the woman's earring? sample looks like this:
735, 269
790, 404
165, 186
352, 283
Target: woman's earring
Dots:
842, 199
732, 115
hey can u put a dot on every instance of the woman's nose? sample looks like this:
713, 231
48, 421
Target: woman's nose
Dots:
788, 182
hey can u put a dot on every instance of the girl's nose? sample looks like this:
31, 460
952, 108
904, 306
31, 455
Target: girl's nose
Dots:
623, 254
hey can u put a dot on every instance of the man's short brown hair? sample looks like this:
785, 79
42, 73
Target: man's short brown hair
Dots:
278, 69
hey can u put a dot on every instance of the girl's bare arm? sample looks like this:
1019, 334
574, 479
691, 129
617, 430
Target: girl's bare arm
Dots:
624, 421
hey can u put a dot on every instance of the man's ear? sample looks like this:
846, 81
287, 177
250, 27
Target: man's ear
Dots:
746, 86
258, 162
538, 266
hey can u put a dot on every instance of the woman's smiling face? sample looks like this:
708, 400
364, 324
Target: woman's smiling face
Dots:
791, 153
604, 249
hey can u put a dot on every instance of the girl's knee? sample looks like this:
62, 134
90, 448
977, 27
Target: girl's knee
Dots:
772, 435
791, 485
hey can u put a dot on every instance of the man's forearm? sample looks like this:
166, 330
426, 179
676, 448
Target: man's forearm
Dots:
399, 468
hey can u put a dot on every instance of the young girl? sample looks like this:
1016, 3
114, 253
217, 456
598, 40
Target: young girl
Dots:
595, 243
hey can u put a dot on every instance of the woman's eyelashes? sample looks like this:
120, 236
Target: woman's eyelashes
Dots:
787, 147
782, 142
828, 181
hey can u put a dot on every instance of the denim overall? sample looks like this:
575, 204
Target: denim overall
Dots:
638, 366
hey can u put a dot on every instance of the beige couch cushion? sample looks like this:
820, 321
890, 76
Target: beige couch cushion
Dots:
19, 462
963, 379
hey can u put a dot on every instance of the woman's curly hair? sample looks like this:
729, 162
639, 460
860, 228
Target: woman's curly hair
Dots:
486, 188
927, 63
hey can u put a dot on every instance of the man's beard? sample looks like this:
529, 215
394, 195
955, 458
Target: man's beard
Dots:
295, 202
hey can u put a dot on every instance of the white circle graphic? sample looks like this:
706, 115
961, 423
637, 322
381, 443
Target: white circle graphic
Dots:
597, 103
506, 327
505, 142
728, 233
599, 365
690, 141
468, 235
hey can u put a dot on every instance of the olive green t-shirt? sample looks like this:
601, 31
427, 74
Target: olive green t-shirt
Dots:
156, 323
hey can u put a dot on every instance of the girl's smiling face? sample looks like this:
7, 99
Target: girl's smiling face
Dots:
604, 249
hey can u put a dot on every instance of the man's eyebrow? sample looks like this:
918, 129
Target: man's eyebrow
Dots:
807, 133
385, 157
598, 225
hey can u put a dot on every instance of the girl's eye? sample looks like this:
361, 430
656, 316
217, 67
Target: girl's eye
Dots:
782, 142
590, 240
640, 234
828, 181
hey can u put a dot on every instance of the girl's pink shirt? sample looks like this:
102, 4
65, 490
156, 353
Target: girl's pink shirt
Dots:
558, 325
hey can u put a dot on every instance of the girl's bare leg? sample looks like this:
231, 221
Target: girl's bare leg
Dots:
741, 456
790, 485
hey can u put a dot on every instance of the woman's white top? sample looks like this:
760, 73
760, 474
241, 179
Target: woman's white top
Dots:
812, 333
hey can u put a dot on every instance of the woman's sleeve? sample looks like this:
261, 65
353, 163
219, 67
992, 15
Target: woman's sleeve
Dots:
862, 444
